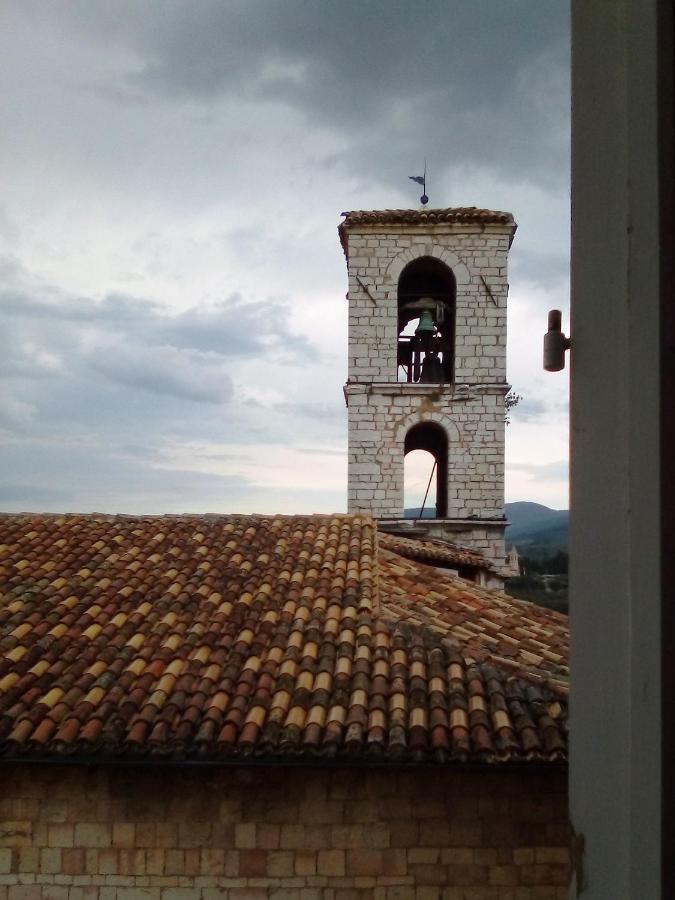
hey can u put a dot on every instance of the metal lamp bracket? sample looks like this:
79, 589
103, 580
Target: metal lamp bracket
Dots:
555, 343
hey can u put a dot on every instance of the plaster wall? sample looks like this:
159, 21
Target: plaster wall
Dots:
615, 589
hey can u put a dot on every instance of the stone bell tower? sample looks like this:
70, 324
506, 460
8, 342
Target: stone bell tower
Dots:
427, 365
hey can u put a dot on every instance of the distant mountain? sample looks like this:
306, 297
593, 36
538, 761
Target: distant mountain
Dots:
536, 530
413, 512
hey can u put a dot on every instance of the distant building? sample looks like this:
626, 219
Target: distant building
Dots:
513, 562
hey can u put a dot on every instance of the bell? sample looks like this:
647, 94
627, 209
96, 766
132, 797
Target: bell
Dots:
432, 369
426, 324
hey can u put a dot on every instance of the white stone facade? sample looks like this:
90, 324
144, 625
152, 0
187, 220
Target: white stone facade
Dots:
471, 412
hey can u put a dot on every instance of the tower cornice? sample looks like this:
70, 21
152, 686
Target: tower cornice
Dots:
427, 221
459, 214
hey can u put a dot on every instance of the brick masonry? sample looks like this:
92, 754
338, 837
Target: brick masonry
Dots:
471, 411
107, 833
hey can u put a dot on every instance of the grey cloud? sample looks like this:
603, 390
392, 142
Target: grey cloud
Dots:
16, 414
323, 451
553, 471
321, 410
230, 327
542, 269
195, 149
529, 408
235, 328
32, 496
164, 370
480, 81
43, 303
94, 479
126, 372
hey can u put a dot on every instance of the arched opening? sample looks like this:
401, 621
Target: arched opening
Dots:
426, 466
426, 322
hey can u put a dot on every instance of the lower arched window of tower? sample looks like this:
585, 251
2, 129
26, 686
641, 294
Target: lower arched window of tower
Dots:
425, 468
419, 480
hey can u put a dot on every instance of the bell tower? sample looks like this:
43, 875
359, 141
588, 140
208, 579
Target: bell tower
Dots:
427, 366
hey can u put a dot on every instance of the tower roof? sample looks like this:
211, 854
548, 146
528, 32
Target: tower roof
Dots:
453, 215
457, 214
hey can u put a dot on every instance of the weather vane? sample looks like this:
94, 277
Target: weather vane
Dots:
422, 179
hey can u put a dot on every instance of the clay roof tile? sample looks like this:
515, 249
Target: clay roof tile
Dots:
213, 636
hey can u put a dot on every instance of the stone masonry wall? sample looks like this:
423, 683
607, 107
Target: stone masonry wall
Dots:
489, 540
92, 833
380, 416
478, 259
471, 410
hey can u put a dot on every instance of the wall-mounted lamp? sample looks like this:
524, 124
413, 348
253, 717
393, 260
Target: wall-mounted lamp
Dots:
555, 343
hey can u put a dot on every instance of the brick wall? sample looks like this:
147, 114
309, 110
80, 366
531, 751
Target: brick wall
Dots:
72, 833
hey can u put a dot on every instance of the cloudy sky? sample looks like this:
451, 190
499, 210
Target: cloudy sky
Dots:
172, 289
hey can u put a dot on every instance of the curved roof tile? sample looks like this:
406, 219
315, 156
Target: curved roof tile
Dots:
279, 637
458, 214
434, 551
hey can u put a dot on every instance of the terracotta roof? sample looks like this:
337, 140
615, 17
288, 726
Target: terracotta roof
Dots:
433, 551
461, 214
485, 625
225, 638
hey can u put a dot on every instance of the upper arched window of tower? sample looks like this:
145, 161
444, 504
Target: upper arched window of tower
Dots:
426, 322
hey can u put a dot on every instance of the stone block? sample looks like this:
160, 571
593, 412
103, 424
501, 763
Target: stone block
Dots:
549, 874
331, 862
268, 836
61, 835
123, 835
552, 855
424, 855
174, 862
194, 834
16, 833
108, 861
252, 863
280, 864
131, 862
93, 834
177, 894
146, 834
305, 862
364, 862
427, 893
457, 855
59, 892
24, 892
155, 862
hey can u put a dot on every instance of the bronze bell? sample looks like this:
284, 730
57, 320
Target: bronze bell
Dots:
432, 369
426, 324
